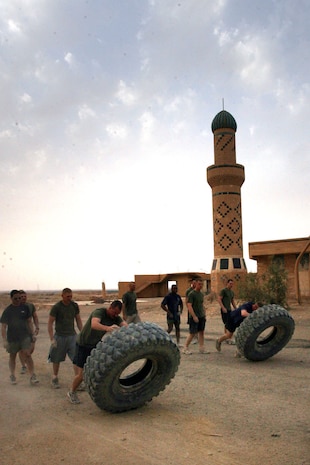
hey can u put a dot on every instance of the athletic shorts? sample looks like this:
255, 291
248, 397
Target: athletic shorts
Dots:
176, 320
65, 346
81, 354
224, 316
194, 327
16, 346
230, 325
134, 318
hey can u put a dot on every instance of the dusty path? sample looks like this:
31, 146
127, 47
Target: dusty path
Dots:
217, 410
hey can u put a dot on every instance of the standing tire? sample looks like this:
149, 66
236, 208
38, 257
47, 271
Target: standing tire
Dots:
264, 333
130, 367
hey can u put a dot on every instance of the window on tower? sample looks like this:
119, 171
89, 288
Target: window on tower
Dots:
214, 264
237, 263
224, 264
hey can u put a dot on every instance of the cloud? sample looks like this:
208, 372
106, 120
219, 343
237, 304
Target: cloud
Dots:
106, 112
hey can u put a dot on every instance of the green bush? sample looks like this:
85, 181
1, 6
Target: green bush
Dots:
269, 288
274, 284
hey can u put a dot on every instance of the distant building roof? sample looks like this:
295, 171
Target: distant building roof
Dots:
275, 247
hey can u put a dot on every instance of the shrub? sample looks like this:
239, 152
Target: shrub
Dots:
269, 288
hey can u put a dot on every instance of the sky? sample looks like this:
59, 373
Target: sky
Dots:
105, 133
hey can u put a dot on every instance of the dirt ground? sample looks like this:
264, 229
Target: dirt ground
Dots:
217, 410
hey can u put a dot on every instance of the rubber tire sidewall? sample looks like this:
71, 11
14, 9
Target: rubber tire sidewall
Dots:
117, 351
268, 316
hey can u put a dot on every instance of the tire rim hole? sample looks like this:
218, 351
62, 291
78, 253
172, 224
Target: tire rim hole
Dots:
136, 372
267, 335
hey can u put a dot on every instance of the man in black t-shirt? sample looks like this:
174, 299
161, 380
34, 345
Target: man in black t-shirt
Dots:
17, 334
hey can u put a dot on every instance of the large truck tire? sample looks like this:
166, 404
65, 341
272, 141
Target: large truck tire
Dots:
264, 333
131, 366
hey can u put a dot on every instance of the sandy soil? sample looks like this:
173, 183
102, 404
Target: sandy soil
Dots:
217, 410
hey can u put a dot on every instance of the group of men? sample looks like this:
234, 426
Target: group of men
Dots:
196, 318
232, 318
20, 326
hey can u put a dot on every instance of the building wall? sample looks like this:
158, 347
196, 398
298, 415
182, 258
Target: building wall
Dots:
288, 250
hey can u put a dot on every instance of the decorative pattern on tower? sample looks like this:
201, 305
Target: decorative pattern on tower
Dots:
226, 178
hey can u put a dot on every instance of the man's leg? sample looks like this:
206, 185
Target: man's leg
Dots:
77, 379
177, 333
28, 360
22, 362
136, 318
12, 364
189, 339
55, 382
227, 335
201, 340
55, 369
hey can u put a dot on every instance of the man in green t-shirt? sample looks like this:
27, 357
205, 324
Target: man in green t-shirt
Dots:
63, 314
226, 300
100, 322
197, 318
130, 312
34, 316
187, 292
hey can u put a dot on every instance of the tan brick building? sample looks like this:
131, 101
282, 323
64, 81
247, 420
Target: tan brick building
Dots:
294, 254
158, 285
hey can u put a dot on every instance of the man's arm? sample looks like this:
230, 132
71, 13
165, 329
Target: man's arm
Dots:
95, 324
124, 307
35, 321
3, 333
220, 301
164, 307
233, 303
30, 325
50, 324
79, 321
191, 312
244, 313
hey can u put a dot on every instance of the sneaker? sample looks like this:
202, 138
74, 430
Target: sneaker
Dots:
218, 345
73, 397
203, 351
230, 342
187, 352
82, 387
195, 341
34, 379
55, 383
13, 379
23, 370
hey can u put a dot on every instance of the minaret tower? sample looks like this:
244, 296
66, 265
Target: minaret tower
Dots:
226, 178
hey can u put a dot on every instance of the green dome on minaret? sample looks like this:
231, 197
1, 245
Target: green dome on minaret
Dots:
223, 120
